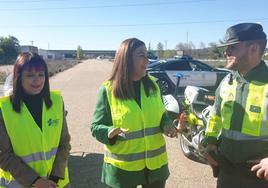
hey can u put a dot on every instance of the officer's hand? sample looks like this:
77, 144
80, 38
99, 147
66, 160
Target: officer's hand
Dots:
116, 131
170, 131
43, 183
261, 168
210, 153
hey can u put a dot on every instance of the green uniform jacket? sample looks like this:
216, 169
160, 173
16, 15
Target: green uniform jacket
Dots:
239, 119
112, 176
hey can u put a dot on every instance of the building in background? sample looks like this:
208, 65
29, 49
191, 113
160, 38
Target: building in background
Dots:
28, 48
71, 54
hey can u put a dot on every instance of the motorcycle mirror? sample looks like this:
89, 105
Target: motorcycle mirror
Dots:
179, 75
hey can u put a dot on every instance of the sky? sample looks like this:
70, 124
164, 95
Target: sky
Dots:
104, 24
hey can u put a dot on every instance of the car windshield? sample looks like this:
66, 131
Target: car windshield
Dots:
154, 64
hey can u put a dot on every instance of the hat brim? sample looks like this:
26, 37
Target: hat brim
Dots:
227, 44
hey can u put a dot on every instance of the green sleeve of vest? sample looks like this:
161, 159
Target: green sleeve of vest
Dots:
102, 120
165, 121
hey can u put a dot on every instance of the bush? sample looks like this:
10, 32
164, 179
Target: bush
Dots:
59, 66
3, 76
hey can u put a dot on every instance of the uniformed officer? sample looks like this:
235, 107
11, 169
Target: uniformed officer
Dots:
238, 125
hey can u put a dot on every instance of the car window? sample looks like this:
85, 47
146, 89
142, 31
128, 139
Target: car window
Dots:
178, 65
198, 66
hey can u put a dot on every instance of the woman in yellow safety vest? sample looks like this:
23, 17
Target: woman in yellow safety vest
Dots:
34, 144
129, 120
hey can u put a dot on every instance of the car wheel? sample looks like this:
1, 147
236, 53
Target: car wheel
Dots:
164, 86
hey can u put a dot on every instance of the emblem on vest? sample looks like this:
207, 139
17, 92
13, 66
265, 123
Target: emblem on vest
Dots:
52, 122
256, 109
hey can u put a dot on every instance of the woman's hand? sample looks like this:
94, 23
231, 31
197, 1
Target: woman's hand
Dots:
181, 122
170, 131
43, 183
116, 131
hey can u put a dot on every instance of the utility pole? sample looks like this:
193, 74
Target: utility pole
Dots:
187, 42
32, 42
166, 45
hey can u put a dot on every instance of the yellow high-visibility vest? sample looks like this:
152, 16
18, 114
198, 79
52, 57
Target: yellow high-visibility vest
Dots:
37, 148
247, 138
143, 145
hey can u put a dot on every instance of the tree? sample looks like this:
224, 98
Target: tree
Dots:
202, 45
149, 47
1, 53
151, 55
160, 50
9, 49
169, 53
181, 46
214, 52
185, 47
79, 53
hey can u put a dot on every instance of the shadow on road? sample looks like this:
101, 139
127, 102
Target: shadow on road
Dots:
85, 170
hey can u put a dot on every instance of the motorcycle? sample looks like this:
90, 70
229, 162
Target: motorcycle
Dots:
190, 115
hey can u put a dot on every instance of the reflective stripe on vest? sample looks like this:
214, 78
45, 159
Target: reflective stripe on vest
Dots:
235, 135
140, 133
143, 145
34, 157
228, 98
136, 156
35, 147
10, 184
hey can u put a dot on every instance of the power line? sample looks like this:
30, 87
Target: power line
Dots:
105, 6
141, 24
32, 1
41, 1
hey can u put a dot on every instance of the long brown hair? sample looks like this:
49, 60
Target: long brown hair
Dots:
123, 69
28, 60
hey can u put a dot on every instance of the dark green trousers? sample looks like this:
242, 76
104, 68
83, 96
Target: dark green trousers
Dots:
238, 176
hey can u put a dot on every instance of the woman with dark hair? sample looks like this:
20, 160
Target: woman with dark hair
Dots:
35, 142
129, 120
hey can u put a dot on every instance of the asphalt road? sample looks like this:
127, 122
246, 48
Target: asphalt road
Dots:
79, 87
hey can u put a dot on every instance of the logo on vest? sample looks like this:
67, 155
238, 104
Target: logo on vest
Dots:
52, 122
256, 109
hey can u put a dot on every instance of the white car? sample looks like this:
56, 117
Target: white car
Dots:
8, 85
194, 73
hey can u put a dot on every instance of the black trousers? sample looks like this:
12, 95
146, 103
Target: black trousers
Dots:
238, 176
